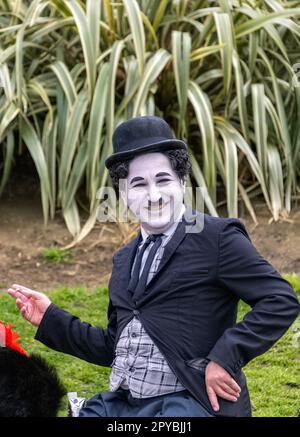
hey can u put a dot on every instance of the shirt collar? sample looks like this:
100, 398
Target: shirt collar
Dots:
171, 229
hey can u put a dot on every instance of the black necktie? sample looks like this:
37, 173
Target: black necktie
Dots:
140, 282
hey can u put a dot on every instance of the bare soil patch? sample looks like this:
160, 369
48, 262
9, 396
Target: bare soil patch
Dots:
23, 237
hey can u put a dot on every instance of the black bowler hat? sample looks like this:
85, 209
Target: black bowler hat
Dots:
142, 135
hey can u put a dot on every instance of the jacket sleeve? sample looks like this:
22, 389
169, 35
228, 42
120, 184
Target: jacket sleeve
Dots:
66, 333
244, 272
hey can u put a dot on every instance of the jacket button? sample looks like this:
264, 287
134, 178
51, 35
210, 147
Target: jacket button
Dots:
136, 312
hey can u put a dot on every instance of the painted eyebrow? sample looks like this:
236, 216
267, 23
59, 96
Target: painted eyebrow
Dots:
139, 178
162, 173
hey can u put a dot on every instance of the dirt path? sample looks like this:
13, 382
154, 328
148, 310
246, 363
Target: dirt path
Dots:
22, 238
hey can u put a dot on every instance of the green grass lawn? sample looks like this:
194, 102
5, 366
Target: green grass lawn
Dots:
273, 378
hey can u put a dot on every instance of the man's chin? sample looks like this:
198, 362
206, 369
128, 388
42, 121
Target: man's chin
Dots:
156, 224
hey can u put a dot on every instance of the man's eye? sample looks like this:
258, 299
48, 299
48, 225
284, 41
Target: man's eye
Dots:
139, 185
163, 180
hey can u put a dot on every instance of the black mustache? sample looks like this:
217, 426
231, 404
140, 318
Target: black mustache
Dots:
159, 203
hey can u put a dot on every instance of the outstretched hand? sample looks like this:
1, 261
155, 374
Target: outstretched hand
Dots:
220, 383
32, 304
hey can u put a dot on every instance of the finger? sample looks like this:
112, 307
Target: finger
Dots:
213, 398
26, 291
11, 292
24, 312
21, 296
19, 304
21, 288
229, 389
232, 383
14, 293
223, 394
17, 295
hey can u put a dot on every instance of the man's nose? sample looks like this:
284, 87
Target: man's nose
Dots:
154, 194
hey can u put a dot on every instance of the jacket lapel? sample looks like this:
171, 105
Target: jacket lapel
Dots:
168, 252
127, 255
126, 258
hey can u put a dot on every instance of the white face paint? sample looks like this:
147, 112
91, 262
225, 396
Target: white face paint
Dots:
154, 192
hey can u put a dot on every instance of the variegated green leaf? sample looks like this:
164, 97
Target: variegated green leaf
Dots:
66, 81
137, 31
203, 113
225, 38
8, 150
181, 46
152, 70
34, 146
86, 41
74, 124
201, 183
260, 126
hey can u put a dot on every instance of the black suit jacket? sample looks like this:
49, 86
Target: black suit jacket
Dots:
189, 308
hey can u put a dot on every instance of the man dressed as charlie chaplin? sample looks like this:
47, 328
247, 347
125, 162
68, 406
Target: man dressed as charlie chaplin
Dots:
172, 339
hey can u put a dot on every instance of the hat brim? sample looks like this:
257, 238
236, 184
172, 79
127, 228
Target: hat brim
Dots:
155, 147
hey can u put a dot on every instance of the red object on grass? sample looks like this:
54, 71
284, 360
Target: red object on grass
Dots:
11, 338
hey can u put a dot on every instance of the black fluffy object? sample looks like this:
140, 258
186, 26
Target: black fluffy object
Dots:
29, 386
